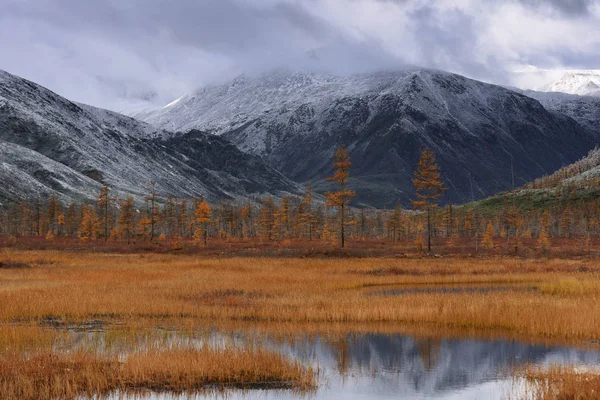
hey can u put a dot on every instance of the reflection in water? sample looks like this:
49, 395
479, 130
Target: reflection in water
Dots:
377, 366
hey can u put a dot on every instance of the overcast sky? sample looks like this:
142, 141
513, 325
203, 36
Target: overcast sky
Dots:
119, 53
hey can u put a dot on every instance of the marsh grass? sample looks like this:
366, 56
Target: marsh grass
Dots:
63, 287
49, 375
558, 383
138, 302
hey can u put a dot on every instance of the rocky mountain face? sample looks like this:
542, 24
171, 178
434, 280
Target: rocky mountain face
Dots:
51, 145
583, 109
295, 121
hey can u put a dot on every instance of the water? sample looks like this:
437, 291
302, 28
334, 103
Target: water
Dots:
380, 366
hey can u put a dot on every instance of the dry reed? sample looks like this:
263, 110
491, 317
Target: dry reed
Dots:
559, 383
50, 375
553, 299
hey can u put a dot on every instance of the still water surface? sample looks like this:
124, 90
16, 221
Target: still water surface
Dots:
379, 366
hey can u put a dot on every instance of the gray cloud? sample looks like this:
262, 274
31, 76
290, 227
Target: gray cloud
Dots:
564, 7
126, 54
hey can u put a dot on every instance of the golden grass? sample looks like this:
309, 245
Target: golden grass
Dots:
559, 383
556, 299
59, 375
45, 296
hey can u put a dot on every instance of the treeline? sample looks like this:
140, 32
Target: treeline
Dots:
289, 218
305, 218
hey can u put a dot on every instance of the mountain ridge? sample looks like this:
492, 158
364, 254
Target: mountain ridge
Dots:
295, 120
97, 147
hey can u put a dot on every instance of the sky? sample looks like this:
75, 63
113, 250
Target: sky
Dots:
130, 54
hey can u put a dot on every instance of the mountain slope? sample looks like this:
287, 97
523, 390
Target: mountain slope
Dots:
51, 145
583, 109
573, 185
294, 121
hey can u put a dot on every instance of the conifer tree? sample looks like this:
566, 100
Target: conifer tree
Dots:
51, 213
90, 225
428, 188
246, 221
395, 223
266, 218
25, 227
488, 236
341, 198
284, 217
103, 201
306, 214
448, 219
170, 216
543, 241
71, 219
37, 216
61, 223
182, 217
153, 209
127, 218
203, 216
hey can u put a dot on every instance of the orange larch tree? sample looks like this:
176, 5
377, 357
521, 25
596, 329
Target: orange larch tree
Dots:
428, 187
341, 198
103, 201
127, 218
203, 215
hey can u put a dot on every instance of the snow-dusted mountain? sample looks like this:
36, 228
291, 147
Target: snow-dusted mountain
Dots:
294, 121
583, 109
51, 145
582, 83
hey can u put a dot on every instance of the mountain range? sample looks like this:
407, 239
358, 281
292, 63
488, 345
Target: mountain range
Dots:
479, 132
50, 145
273, 132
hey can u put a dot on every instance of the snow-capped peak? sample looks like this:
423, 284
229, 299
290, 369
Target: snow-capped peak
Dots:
583, 83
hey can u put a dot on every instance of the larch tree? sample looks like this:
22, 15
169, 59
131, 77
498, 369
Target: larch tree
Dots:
203, 215
127, 218
103, 201
395, 222
488, 236
284, 217
266, 218
341, 198
448, 219
182, 218
429, 188
544, 241
51, 214
306, 215
90, 225
153, 209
